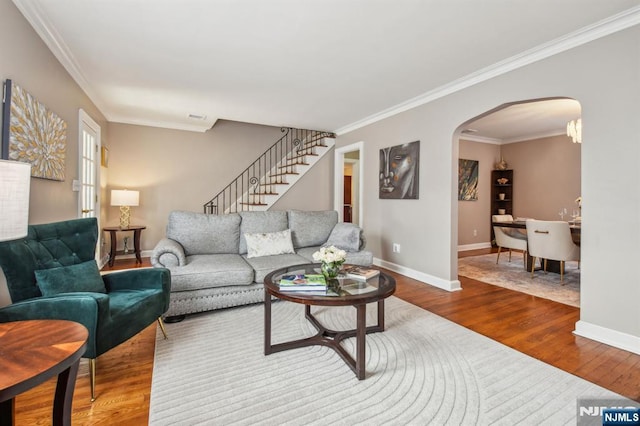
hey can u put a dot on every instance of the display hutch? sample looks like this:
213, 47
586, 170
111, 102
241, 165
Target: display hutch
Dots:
501, 194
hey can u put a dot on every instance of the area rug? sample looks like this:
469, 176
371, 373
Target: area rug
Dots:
512, 275
422, 370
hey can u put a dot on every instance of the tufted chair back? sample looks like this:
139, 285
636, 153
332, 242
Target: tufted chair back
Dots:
46, 246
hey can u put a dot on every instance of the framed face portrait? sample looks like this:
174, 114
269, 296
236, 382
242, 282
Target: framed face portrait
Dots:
399, 171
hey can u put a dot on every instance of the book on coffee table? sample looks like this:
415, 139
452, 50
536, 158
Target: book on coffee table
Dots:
300, 282
360, 272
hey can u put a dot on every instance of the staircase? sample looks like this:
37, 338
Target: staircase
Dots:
273, 173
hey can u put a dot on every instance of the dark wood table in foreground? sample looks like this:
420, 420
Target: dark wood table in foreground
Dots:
374, 290
31, 352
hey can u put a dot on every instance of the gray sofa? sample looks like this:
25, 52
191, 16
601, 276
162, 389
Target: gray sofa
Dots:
214, 263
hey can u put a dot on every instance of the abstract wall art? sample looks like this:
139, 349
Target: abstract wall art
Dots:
33, 134
400, 171
467, 180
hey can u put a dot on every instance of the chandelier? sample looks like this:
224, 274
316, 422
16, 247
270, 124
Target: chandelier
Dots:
574, 130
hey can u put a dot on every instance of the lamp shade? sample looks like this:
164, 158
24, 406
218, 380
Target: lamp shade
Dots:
123, 197
15, 179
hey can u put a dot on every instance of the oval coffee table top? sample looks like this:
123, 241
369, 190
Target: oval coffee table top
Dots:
35, 350
342, 291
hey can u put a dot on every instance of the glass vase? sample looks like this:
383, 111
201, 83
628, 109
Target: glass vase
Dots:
330, 270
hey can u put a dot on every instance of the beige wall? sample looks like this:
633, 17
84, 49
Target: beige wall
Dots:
181, 170
475, 215
27, 61
608, 89
546, 174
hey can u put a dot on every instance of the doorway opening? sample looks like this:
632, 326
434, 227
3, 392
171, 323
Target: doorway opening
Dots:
528, 142
348, 183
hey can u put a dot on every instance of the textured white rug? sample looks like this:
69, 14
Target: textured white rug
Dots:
422, 370
512, 275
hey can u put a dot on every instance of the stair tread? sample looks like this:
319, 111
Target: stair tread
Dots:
293, 164
254, 204
282, 174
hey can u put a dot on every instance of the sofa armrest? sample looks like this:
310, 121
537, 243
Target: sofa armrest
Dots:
138, 279
168, 253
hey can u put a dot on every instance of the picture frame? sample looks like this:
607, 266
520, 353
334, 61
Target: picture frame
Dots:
32, 133
468, 179
399, 176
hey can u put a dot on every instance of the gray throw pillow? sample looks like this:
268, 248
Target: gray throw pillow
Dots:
345, 236
67, 279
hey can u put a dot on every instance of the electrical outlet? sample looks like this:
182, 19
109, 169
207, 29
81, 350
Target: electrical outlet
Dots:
396, 248
475, 232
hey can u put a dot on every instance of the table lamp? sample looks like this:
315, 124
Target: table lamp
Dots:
124, 199
14, 199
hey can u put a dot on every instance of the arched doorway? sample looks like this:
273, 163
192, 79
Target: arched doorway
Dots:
545, 169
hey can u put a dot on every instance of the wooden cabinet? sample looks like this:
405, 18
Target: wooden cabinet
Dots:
501, 194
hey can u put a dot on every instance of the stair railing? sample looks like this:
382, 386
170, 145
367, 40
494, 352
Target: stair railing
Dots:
270, 170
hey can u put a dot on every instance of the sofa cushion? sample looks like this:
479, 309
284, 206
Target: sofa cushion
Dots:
83, 276
255, 222
269, 243
311, 228
265, 264
211, 270
345, 236
200, 233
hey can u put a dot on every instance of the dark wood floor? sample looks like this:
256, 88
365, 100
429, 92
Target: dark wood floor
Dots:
537, 327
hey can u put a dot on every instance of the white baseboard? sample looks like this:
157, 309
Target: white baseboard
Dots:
420, 276
476, 246
608, 336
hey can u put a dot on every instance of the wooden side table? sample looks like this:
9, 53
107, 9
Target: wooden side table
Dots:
137, 230
34, 351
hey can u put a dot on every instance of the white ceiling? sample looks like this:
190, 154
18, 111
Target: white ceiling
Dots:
524, 121
317, 64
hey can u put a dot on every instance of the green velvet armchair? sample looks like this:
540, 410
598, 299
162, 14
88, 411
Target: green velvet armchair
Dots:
52, 274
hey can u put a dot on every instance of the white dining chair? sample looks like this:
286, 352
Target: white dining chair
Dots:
508, 238
551, 240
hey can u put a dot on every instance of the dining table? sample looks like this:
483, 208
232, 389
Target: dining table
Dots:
552, 265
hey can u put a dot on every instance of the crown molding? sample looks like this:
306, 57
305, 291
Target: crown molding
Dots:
60, 50
605, 27
523, 138
481, 139
201, 127
534, 136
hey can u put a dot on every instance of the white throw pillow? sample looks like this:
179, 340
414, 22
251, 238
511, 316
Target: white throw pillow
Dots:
269, 244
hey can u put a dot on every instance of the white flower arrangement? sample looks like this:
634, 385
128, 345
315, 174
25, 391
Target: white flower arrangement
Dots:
330, 254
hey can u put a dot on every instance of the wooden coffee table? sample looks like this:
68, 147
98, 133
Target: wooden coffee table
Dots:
377, 289
32, 352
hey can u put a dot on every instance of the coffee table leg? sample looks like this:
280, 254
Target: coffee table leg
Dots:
361, 332
64, 396
267, 323
7, 412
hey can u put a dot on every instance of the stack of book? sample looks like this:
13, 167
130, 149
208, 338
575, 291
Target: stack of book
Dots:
359, 272
308, 283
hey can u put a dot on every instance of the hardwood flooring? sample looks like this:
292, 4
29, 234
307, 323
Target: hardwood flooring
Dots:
537, 327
